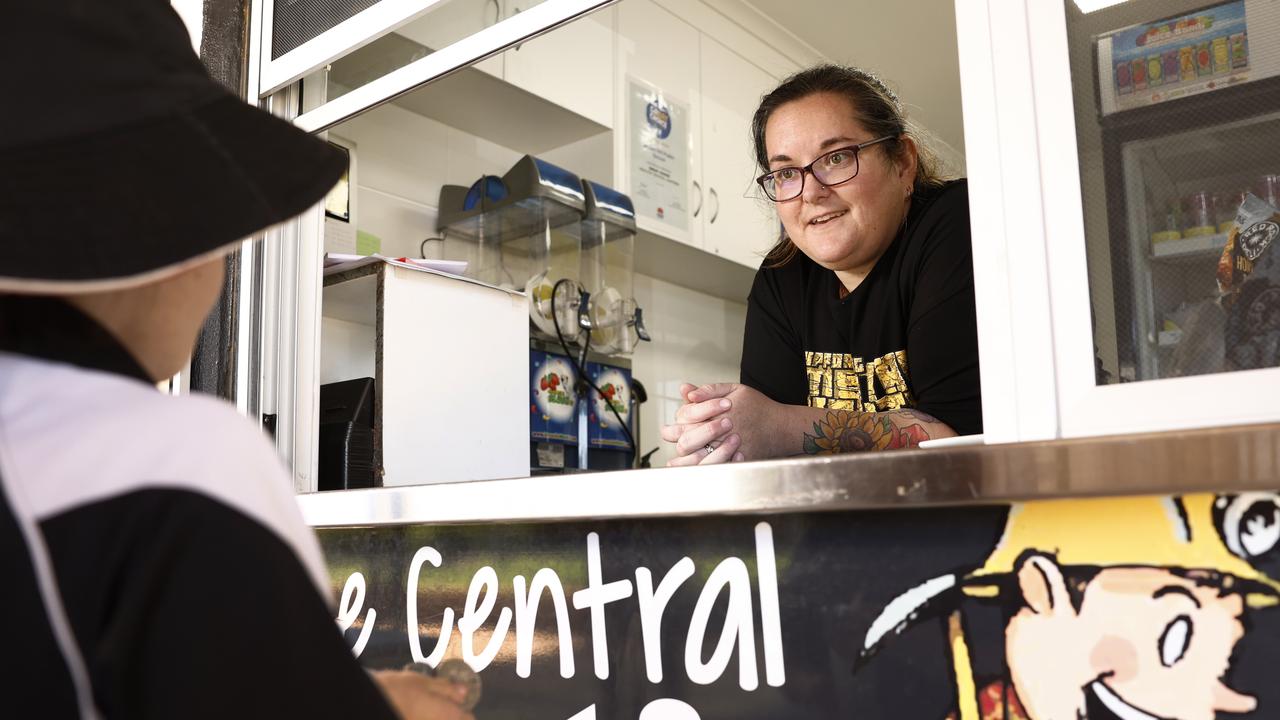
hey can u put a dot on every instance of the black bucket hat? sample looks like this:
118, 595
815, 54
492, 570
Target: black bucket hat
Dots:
121, 160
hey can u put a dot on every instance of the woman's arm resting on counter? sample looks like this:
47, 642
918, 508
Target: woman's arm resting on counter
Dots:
759, 428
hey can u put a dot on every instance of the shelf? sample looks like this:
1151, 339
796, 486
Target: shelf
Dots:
470, 100
351, 298
1191, 248
681, 264
1206, 157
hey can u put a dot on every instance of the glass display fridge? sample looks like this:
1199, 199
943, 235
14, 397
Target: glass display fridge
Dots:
1122, 195
1189, 130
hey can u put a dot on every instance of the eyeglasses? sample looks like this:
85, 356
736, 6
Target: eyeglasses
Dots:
833, 168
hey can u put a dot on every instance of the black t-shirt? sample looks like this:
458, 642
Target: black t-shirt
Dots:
906, 337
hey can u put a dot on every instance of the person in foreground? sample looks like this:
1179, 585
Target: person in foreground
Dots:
156, 564
861, 331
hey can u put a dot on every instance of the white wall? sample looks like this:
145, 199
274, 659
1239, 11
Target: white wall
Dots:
403, 160
192, 14
911, 45
697, 338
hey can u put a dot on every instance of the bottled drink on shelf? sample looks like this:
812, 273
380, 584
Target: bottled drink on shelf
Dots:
1199, 215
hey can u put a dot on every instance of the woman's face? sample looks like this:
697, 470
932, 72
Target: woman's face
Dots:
849, 226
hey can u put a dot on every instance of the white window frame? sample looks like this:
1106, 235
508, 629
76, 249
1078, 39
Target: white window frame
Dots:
1011, 274
509, 32
1018, 93
351, 34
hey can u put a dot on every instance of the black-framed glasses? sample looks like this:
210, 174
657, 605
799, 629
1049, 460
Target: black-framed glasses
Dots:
832, 168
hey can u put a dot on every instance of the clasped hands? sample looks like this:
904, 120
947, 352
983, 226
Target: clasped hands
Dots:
417, 697
723, 422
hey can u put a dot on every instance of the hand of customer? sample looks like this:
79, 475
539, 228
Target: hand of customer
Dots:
418, 697
722, 422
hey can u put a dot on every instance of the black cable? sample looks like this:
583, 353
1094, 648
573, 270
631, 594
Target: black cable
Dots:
580, 367
422, 247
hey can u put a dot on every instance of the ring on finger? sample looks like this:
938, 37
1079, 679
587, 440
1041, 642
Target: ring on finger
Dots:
707, 449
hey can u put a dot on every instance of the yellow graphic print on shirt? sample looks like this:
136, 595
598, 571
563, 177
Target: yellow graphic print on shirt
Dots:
843, 382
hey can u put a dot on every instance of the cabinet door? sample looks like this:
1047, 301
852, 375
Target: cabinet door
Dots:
571, 66
659, 50
738, 223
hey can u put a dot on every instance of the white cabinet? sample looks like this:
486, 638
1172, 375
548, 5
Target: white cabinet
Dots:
571, 66
659, 50
379, 320
720, 90
738, 223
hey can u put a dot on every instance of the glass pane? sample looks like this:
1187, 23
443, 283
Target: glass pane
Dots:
1178, 122
445, 23
486, 173
295, 22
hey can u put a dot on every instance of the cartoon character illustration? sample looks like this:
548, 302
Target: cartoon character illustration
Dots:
1122, 607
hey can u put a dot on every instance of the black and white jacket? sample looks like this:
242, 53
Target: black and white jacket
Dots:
154, 560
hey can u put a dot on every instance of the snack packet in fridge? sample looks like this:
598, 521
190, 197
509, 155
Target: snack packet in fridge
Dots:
1249, 278
1256, 227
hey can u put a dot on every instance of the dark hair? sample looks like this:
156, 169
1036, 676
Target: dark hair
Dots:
875, 107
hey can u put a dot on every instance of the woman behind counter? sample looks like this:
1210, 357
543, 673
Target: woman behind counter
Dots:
861, 331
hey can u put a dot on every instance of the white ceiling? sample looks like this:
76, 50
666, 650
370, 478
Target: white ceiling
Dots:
911, 44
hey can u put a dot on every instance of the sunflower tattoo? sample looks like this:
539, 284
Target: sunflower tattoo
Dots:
842, 431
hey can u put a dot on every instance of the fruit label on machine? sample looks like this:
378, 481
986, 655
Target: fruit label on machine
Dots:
552, 398
610, 407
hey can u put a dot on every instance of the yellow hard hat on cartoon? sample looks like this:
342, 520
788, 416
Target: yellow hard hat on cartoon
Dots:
1139, 532
1227, 541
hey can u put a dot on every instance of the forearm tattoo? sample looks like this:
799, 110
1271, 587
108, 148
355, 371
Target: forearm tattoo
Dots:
916, 415
842, 431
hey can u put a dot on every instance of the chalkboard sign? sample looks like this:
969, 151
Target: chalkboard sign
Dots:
1123, 607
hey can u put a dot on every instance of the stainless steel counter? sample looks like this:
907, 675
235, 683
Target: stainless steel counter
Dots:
1219, 459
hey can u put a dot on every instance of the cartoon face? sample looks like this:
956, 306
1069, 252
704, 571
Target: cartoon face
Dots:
1144, 643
